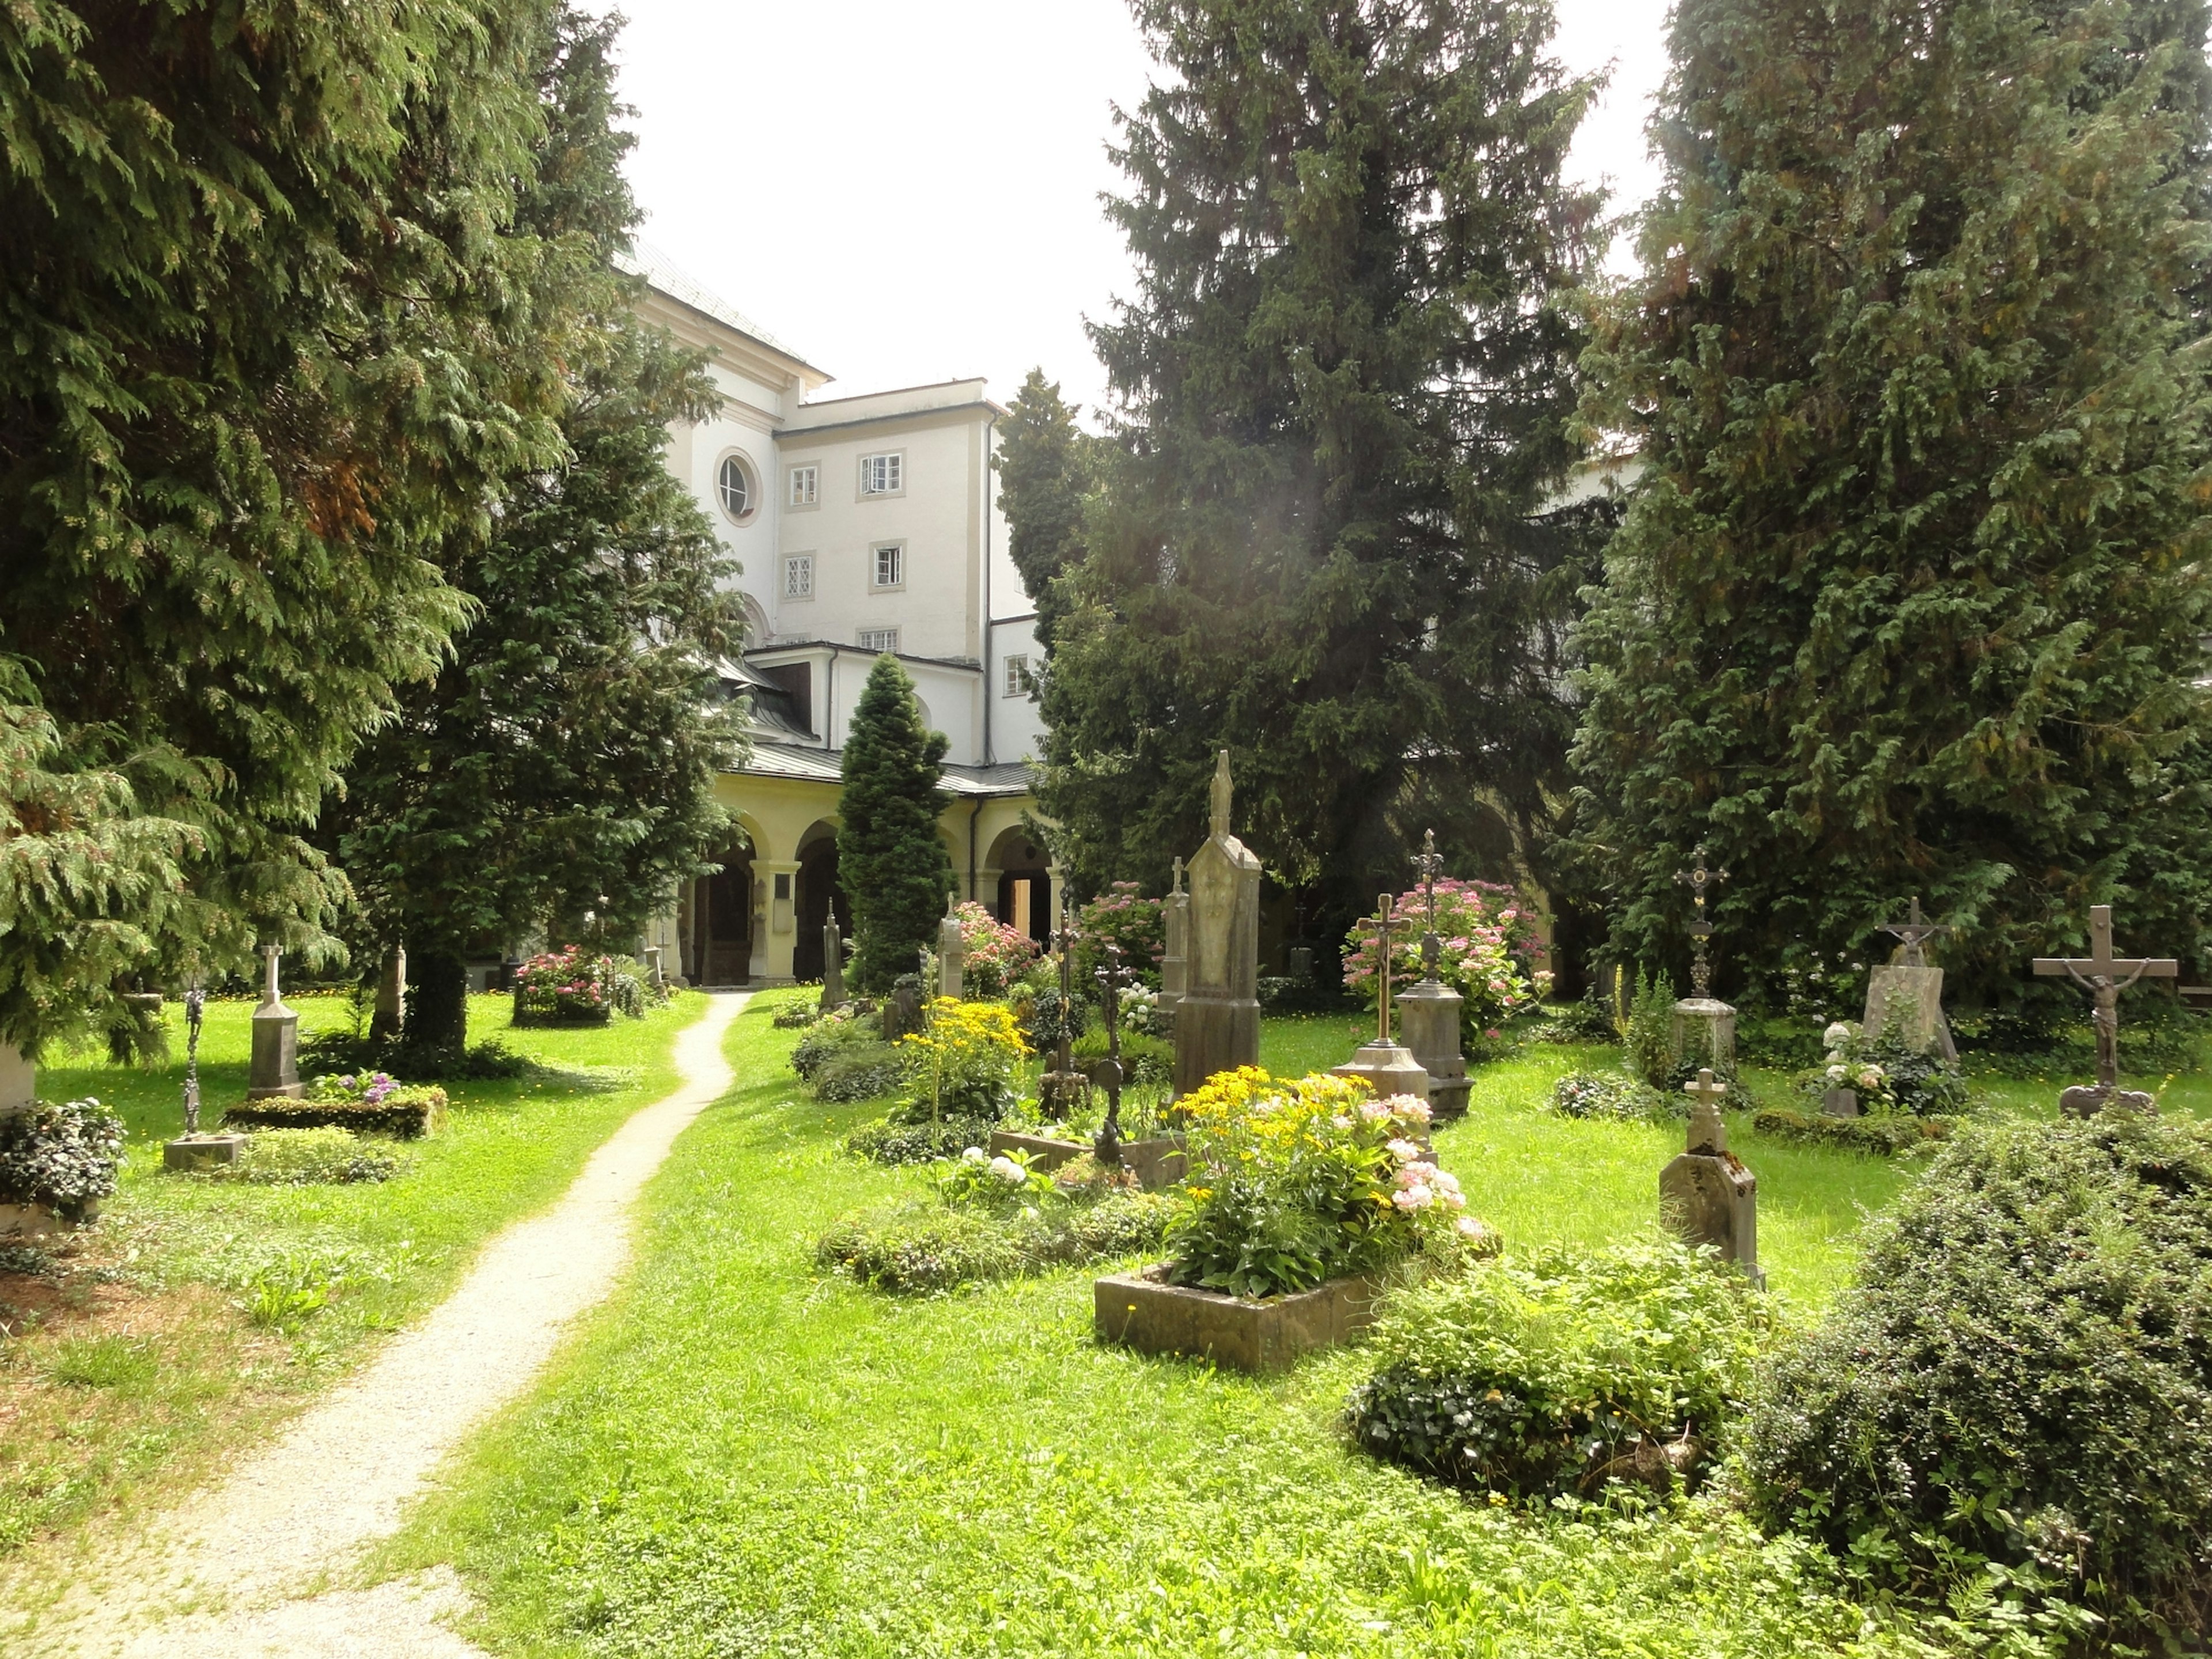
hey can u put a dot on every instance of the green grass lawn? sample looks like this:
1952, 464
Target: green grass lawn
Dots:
198, 1314
739, 1457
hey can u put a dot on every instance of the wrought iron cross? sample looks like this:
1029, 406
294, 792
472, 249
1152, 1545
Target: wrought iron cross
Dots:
1062, 1058
195, 1011
1697, 878
1912, 931
1383, 984
2104, 976
1429, 864
1112, 976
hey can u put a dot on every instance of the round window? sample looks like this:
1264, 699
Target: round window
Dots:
734, 483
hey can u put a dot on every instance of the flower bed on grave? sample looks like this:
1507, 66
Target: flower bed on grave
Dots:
366, 1102
57, 1163
1304, 1197
567, 987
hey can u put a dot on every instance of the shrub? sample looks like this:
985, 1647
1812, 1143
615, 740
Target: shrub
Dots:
795, 1017
1050, 1018
569, 985
1587, 1020
1125, 916
347, 1051
1613, 1095
2021, 1375
1883, 1136
64, 1156
860, 1071
923, 1247
1491, 952
1144, 1059
840, 1028
366, 1102
963, 1061
1649, 1043
1293, 1183
308, 1157
1559, 1373
630, 989
888, 1141
1889, 1074
993, 956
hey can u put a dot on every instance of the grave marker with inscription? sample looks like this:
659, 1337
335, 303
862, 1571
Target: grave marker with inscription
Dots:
1216, 1025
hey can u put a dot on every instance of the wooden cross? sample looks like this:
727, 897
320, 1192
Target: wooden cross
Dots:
1707, 1132
1429, 864
2104, 976
1913, 930
1697, 878
1383, 984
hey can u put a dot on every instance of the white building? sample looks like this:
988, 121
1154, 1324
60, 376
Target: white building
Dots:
863, 525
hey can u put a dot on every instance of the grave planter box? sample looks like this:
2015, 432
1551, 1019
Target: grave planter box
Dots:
37, 1220
1140, 1310
408, 1114
1156, 1163
202, 1152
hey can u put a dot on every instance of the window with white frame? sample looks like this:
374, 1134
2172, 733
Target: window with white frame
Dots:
880, 639
884, 474
1017, 676
735, 488
799, 576
805, 486
889, 568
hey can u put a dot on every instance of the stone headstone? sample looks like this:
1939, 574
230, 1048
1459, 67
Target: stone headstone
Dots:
1428, 1023
1216, 1025
1840, 1102
902, 1008
833, 966
389, 1016
952, 952
1912, 998
275, 1068
1705, 1194
1175, 963
653, 968
1703, 1034
1301, 964
19, 1079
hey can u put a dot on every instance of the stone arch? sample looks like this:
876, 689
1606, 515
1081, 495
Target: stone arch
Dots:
717, 917
819, 896
1022, 867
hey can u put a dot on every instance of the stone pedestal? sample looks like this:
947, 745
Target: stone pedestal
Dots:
2085, 1100
1390, 1069
1216, 1022
833, 966
1428, 1021
1175, 963
951, 957
1703, 1034
1913, 996
275, 1070
202, 1152
1705, 1194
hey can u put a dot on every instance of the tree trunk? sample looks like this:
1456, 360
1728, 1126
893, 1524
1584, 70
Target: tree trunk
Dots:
437, 998
390, 1018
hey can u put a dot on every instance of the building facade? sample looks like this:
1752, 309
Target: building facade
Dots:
861, 525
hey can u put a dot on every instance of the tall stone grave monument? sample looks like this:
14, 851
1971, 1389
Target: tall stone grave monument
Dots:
1908, 991
1704, 1031
833, 965
1429, 1012
952, 950
1217, 1023
2104, 976
1706, 1194
1175, 963
275, 1068
19, 1079
1390, 1068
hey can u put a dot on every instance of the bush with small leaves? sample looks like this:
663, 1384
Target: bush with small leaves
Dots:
308, 1157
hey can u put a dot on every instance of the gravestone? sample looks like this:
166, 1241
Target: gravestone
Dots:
19, 1079
1908, 991
1217, 1027
1705, 1194
276, 1069
1703, 1032
1388, 1068
1175, 963
2104, 975
388, 1019
1429, 1012
652, 970
1840, 1102
951, 951
902, 1008
833, 966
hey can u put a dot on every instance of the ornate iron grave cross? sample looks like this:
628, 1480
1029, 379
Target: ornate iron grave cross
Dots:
195, 1011
1913, 931
1697, 878
2104, 976
1111, 977
1382, 980
1062, 1058
1429, 864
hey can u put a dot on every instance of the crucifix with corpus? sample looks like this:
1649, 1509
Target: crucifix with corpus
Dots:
2104, 976
1698, 878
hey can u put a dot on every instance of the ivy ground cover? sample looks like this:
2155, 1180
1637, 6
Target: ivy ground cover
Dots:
741, 1455
198, 1314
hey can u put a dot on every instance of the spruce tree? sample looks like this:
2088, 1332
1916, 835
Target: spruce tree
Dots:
559, 774
1341, 388
1911, 593
891, 861
1048, 470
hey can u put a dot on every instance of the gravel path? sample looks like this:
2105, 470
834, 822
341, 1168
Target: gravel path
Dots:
234, 1574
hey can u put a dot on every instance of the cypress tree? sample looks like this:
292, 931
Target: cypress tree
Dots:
1341, 393
891, 861
1047, 469
272, 340
1911, 596
558, 774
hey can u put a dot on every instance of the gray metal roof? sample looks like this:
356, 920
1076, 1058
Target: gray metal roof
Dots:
810, 765
662, 273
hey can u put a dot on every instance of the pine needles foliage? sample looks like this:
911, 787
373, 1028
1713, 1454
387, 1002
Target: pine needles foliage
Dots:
890, 859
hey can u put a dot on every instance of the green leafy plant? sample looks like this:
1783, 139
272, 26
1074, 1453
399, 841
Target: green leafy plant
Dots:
920, 1248
1648, 1044
2019, 1379
1490, 952
367, 1102
65, 1157
963, 1060
890, 1141
1614, 1095
306, 1158
1560, 1373
1883, 1136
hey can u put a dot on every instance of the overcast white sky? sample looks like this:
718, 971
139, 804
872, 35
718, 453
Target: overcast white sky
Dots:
907, 191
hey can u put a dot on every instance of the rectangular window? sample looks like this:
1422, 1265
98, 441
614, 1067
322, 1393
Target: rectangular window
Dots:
806, 485
890, 565
1017, 676
880, 639
883, 475
799, 576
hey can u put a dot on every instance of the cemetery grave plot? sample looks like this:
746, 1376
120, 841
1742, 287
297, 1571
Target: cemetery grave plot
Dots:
198, 1314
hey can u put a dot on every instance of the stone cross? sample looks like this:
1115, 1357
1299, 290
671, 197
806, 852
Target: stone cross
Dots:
1697, 878
1708, 1134
2104, 976
268, 991
1429, 864
1914, 929
1382, 980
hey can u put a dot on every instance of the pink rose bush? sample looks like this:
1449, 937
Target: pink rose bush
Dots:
1490, 955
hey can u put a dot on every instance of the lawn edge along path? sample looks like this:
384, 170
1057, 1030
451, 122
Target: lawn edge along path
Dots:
225, 1573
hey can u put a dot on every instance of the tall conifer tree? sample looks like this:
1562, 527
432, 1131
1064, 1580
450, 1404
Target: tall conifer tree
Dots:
1912, 594
1048, 470
1342, 388
891, 861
